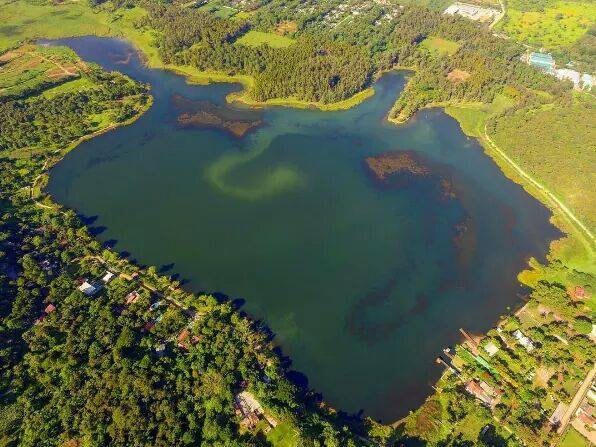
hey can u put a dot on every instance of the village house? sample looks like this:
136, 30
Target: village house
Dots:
523, 340
132, 297
557, 416
107, 277
48, 310
483, 392
251, 411
491, 349
87, 288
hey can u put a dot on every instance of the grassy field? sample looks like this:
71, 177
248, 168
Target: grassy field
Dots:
257, 38
440, 47
574, 439
218, 10
284, 435
30, 68
555, 26
22, 21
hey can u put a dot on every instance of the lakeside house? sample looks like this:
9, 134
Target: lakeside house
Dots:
491, 349
251, 411
483, 392
523, 340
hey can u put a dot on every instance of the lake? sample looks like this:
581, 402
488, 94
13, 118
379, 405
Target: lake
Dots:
363, 245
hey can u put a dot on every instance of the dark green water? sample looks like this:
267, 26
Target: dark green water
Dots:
363, 283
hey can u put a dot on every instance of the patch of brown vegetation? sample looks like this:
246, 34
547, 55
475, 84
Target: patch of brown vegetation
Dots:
286, 27
388, 163
543, 375
205, 114
457, 75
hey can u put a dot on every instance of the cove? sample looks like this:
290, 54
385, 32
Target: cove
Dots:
363, 245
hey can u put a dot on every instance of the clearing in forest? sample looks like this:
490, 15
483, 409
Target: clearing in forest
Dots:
258, 38
439, 46
286, 27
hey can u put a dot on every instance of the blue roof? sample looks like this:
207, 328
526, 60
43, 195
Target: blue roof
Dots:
541, 57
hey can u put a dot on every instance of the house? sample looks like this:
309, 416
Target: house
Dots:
185, 339
132, 297
523, 340
542, 61
88, 288
251, 410
491, 349
48, 310
483, 392
160, 350
107, 277
555, 418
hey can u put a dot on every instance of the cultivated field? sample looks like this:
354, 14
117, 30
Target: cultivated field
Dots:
29, 69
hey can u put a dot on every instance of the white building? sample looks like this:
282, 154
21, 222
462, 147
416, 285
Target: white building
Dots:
88, 289
523, 340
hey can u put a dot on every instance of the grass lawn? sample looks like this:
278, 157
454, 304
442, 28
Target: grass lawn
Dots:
284, 435
573, 439
438, 46
257, 38
556, 26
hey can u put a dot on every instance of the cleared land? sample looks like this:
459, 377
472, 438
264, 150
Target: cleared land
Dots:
30, 69
574, 439
440, 47
257, 38
555, 26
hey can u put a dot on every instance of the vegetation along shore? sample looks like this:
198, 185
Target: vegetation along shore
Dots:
148, 363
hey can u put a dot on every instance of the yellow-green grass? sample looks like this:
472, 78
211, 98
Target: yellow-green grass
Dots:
573, 439
76, 85
556, 27
472, 116
22, 21
284, 435
257, 38
195, 76
439, 46
242, 97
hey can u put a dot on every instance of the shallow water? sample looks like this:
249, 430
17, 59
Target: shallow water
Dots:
363, 281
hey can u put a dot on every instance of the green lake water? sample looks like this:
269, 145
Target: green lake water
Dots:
362, 282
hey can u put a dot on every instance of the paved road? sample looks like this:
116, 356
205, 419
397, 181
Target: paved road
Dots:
579, 396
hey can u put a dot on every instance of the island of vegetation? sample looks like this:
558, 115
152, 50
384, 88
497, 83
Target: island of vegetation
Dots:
99, 351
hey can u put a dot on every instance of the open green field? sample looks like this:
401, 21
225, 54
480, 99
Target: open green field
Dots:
574, 439
218, 10
557, 25
257, 38
439, 46
284, 435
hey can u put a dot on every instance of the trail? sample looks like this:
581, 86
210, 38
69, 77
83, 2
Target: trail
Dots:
586, 234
